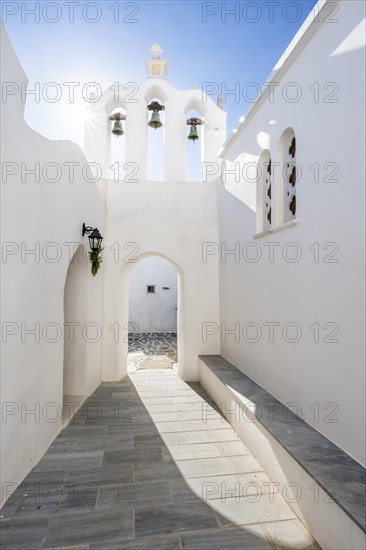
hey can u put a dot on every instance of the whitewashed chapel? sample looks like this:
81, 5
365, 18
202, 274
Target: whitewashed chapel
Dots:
257, 267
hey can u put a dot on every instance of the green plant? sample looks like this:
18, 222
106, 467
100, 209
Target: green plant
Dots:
95, 257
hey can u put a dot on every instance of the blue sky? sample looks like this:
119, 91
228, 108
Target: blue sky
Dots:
202, 42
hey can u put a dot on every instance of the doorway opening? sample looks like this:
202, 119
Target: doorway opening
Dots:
75, 316
153, 315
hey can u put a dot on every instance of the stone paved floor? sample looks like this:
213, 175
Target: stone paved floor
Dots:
145, 464
154, 343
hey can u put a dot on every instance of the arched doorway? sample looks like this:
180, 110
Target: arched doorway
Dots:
75, 319
117, 332
153, 307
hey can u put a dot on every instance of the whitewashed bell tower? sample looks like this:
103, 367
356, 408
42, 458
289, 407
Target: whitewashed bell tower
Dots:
167, 218
134, 99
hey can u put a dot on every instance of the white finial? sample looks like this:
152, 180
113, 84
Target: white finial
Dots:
156, 51
156, 66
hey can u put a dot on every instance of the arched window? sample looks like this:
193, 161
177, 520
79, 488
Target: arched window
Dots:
267, 193
289, 173
264, 193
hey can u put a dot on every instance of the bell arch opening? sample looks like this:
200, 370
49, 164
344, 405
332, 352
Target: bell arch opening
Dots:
194, 147
155, 122
117, 158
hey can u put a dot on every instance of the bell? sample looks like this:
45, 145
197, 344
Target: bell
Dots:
155, 121
117, 128
193, 134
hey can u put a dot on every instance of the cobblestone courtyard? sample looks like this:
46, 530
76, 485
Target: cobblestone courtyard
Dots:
152, 350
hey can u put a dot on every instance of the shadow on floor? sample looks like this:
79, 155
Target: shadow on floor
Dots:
139, 468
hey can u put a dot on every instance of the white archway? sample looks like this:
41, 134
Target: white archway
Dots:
122, 324
75, 318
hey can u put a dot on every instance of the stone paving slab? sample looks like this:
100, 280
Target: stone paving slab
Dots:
161, 482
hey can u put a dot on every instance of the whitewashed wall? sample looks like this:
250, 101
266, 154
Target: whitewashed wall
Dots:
325, 381
153, 312
34, 215
158, 219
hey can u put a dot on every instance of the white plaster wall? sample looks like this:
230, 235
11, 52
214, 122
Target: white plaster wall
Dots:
33, 287
324, 377
170, 220
154, 312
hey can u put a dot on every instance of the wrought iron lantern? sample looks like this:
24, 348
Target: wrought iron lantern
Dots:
95, 238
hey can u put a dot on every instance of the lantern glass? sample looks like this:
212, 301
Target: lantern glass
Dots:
95, 240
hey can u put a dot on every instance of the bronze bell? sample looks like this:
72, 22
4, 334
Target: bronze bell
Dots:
117, 128
155, 121
193, 134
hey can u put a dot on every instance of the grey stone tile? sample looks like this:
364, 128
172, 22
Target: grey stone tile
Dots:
70, 461
228, 465
135, 494
199, 450
73, 547
173, 518
42, 482
117, 468
134, 456
107, 443
160, 471
290, 534
182, 492
23, 533
168, 542
211, 436
205, 488
226, 539
232, 448
69, 498
147, 441
72, 432
95, 526
251, 509
106, 475
35, 488
61, 445
132, 429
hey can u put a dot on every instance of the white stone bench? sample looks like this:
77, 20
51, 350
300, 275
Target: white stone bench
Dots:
324, 485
